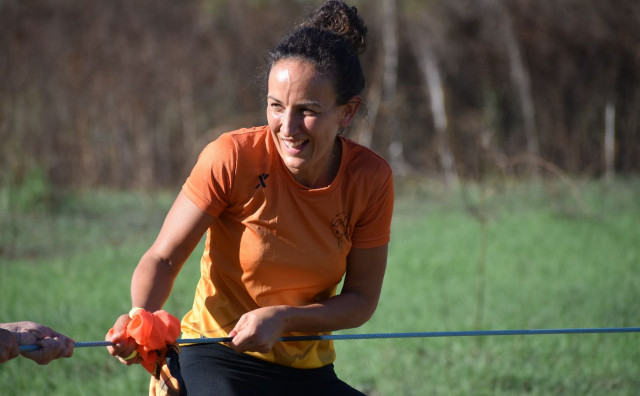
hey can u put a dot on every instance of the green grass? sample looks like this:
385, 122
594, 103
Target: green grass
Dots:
503, 255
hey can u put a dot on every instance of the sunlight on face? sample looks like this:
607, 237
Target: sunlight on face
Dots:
283, 76
304, 121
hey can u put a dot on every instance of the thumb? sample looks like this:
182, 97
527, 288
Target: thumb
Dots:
115, 337
119, 330
238, 327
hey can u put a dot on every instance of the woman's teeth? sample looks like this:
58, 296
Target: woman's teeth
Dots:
294, 144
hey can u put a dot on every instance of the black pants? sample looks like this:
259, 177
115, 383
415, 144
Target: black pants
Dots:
214, 369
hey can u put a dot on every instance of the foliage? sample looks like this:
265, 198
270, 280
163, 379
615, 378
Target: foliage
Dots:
548, 265
126, 93
21, 194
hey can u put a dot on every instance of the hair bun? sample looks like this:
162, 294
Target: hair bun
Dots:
343, 20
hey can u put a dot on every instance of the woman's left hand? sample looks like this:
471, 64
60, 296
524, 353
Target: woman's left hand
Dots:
258, 330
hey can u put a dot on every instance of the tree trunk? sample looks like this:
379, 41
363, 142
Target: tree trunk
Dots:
364, 132
519, 76
428, 64
390, 84
609, 140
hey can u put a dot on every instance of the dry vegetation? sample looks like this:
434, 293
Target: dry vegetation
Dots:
126, 93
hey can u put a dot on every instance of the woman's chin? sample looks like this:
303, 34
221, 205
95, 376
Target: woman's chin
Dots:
295, 165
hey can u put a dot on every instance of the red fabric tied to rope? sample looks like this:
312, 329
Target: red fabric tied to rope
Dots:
153, 332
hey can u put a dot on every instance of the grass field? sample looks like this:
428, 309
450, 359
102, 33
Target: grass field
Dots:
502, 255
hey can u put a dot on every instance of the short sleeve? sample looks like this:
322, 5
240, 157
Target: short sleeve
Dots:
211, 179
373, 227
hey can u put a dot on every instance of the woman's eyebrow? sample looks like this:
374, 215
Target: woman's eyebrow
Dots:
310, 103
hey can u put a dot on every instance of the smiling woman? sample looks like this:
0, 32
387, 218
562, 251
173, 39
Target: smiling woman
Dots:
290, 209
304, 120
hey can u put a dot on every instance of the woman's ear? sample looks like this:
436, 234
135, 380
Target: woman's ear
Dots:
349, 110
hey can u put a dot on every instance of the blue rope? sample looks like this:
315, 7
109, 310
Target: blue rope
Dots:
368, 336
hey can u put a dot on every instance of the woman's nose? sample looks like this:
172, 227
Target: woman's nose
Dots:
289, 122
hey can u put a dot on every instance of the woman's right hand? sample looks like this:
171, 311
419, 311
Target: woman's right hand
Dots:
124, 348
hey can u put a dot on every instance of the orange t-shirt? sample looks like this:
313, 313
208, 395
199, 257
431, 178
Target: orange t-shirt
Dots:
276, 242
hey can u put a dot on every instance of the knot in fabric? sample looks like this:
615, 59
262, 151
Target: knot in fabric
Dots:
153, 332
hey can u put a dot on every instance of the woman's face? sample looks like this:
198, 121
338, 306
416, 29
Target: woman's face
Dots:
304, 121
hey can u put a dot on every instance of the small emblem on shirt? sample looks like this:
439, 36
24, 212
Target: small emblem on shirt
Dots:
262, 178
340, 227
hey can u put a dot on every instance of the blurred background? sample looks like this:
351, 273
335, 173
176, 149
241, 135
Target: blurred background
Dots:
126, 93
513, 127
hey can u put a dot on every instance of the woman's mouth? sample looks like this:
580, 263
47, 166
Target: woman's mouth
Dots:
294, 146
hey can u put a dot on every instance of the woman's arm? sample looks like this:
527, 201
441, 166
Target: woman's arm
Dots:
260, 329
158, 268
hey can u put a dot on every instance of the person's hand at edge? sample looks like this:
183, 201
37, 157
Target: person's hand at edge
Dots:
53, 345
9, 347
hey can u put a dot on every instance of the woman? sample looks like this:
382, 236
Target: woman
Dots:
289, 209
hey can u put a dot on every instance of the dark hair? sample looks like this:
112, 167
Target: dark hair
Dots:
331, 40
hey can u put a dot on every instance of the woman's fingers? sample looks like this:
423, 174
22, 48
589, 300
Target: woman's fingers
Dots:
124, 348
